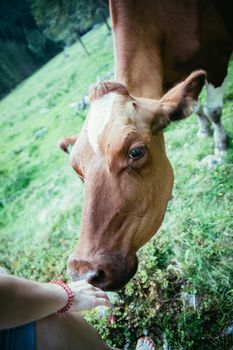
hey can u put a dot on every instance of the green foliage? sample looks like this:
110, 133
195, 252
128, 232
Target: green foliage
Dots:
182, 291
40, 197
169, 301
20, 41
65, 20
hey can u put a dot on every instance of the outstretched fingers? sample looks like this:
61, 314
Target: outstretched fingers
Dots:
87, 297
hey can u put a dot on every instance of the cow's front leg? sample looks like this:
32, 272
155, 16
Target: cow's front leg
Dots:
220, 136
204, 122
213, 110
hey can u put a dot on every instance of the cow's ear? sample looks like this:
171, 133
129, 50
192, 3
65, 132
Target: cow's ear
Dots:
178, 102
66, 142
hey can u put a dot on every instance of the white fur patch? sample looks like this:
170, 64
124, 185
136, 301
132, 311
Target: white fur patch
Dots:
99, 115
215, 94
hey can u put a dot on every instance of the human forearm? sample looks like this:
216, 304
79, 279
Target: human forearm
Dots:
23, 301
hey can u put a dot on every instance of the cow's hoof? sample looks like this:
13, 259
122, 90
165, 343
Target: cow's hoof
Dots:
211, 162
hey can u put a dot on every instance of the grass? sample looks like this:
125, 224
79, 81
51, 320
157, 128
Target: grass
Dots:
41, 201
40, 196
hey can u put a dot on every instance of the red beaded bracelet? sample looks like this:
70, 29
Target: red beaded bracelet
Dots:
69, 293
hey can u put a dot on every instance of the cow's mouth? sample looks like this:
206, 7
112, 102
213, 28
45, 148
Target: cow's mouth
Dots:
108, 277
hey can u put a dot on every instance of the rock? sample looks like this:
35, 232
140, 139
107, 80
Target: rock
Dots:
2, 271
228, 330
41, 132
81, 105
211, 161
73, 104
84, 102
193, 300
44, 110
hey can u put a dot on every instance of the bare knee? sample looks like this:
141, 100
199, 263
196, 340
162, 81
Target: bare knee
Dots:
68, 331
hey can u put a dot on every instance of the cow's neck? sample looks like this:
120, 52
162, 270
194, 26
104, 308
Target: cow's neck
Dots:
138, 65
139, 75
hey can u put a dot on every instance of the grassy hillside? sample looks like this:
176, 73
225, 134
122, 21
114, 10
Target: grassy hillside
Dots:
41, 200
40, 196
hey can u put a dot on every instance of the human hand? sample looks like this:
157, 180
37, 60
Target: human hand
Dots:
87, 297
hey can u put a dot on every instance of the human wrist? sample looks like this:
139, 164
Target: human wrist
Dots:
56, 297
68, 293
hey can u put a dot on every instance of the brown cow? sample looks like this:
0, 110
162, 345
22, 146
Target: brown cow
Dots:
120, 153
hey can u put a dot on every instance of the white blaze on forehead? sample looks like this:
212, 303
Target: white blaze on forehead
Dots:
99, 115
215, 94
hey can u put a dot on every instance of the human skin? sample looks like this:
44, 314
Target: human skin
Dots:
23, 301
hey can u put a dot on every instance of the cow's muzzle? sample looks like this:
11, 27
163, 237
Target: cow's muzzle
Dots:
108, 272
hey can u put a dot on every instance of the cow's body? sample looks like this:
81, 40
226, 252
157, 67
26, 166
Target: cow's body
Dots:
120, 153
159, 43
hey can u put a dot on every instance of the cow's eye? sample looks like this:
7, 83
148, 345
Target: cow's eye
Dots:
137, 152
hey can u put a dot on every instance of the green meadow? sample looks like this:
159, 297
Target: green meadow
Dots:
182, 294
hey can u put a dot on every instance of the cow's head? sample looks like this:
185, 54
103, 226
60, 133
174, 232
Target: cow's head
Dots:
120, 156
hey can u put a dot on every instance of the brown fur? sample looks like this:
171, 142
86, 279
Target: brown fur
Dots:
64, 143
106, 87
125, 200
157, 45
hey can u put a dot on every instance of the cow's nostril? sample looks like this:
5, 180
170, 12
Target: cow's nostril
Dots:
97, 277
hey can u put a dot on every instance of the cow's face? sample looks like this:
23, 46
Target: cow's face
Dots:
121, 158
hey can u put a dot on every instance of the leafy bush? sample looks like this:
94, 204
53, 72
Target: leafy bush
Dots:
162, 301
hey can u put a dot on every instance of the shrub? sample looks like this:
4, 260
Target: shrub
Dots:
160, 301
